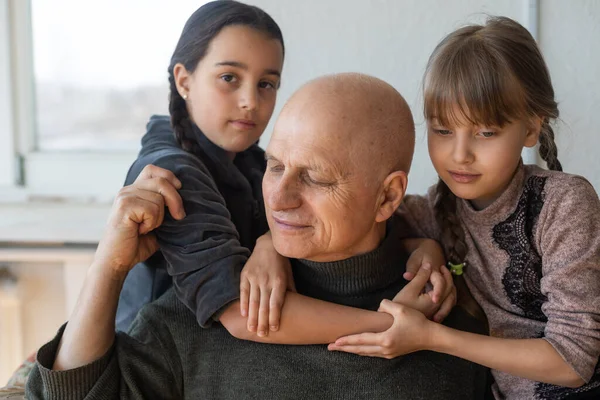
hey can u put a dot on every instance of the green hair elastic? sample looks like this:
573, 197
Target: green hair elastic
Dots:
456, 269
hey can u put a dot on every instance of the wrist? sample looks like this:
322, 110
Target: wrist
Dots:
434, 337
106, 270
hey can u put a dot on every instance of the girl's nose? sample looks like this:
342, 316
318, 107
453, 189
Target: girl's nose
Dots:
248, 99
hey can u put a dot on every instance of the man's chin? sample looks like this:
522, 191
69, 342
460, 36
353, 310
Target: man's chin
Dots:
290, 250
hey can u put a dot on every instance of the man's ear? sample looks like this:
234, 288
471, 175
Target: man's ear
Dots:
534, 129
394, 189
182, 79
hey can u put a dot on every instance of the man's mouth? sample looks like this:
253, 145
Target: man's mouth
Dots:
288, 224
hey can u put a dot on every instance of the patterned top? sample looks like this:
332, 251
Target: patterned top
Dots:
533, 264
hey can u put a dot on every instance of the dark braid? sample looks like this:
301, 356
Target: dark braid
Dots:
453, 235
548, 150
453, 238
180, 119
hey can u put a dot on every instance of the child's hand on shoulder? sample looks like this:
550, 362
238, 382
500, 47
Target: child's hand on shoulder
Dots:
265, 278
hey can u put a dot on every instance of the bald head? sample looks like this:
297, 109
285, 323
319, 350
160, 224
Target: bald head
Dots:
337, 167
364, 115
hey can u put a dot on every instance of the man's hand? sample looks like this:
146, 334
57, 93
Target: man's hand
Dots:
265, 278
443, 291
409, 332
137, 210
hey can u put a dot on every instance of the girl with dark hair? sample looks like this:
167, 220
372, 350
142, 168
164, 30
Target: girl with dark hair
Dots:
528, 239
224, 75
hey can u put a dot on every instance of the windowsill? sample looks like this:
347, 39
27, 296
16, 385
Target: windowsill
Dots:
47, 223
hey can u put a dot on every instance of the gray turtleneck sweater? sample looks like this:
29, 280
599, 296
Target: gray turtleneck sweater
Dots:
166, 355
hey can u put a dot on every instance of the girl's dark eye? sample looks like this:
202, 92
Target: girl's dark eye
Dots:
266, 85
443, 132
228, 77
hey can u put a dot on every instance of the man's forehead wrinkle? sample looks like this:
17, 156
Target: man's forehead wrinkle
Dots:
358, 118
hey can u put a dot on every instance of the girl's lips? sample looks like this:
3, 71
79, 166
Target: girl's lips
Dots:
463, 177
243, 124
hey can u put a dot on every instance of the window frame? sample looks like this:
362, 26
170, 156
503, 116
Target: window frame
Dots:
27, 173
7, 146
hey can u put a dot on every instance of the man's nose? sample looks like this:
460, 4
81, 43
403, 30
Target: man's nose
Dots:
283, 193
248, 98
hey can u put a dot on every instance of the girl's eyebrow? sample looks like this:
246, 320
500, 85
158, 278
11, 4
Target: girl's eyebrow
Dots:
243, 66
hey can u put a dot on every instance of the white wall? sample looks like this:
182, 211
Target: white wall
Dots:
392, 40
570, 40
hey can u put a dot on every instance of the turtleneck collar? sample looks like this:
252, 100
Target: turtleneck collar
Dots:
226, 169
356, 277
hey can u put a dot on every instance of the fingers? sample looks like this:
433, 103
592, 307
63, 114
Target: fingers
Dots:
442, 285
448, 278
253, 307
449, 297
244, 295
137, 211
439, 286
152, 171
275, 305
360, 339
365, 344
262, 298
418, 283
263, 312
152, 208
412, 266
261, 303
367, 351
165, 188
447, 306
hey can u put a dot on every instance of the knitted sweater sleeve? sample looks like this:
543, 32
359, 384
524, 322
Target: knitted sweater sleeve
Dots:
139, 365
568, 236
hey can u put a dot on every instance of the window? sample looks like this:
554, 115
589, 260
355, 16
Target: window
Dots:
82, 80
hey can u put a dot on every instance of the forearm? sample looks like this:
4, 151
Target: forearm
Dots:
305, 320
533, 359
90, 332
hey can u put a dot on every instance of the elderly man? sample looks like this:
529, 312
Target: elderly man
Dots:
337, 170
